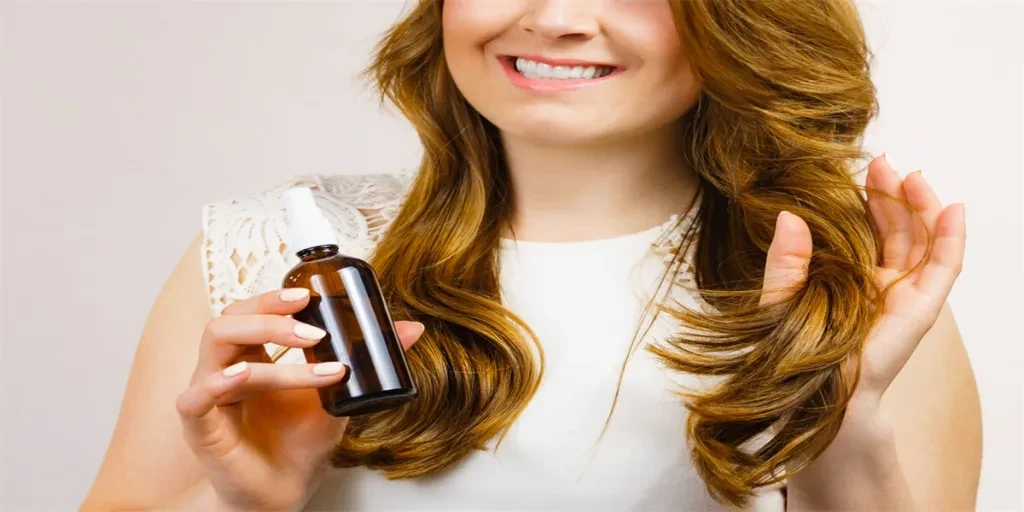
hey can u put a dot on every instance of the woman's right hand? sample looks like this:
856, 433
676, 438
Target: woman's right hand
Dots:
256, 427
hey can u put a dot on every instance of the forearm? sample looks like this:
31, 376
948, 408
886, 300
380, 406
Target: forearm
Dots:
199, 497
203, 497
858, 471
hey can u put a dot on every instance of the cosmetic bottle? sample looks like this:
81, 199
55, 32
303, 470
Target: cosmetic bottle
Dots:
346, 301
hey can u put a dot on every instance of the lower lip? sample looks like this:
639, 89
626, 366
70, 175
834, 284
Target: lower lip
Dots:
550, 85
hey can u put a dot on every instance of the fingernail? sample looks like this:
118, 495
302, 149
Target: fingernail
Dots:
235, 369
308, 332
888, 160
421, 326
293, 294
892, 166
331, 368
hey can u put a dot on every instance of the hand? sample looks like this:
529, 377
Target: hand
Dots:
912, 304
257, 428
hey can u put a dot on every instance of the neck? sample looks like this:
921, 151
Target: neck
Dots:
572, 193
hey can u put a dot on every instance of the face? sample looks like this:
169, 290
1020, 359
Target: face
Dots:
569, 71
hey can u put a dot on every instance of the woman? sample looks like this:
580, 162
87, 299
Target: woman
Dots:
620, 202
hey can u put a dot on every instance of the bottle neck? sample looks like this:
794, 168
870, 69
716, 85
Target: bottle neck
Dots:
317, 252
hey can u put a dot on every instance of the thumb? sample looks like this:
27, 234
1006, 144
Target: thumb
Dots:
785, 268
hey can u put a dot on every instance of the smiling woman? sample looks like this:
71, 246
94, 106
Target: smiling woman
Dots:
504, 63
633, 271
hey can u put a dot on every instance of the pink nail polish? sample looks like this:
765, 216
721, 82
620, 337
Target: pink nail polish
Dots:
892, 167
235, 369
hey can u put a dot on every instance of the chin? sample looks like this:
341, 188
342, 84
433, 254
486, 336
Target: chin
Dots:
558, 130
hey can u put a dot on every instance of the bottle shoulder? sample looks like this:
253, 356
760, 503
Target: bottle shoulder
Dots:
332, 264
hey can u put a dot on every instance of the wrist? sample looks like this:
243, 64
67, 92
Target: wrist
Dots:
865, 423
859, 469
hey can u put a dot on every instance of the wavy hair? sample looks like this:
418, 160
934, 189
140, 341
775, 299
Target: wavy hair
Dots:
786, 98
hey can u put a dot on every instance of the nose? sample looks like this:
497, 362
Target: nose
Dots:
562, 19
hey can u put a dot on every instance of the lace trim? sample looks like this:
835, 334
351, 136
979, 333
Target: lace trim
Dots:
245, 250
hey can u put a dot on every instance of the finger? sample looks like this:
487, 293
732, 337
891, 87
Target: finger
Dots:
226, 337
897, 244
408, 333
278, 302
279, 377
197, 405
876, 202
788, 257
927, 207
946, 259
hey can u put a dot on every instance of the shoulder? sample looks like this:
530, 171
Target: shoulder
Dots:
244, 240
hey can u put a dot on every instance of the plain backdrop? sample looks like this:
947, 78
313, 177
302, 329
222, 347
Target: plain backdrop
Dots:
119, 119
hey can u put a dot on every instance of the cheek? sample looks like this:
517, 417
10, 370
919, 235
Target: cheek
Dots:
467, 28
467, 25
461, 28
481, 18
647, 26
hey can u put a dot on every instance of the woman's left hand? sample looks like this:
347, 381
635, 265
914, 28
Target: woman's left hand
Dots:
912, 304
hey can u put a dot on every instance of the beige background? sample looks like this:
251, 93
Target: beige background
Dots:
120, 119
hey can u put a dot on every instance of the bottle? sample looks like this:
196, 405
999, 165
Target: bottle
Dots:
346, 301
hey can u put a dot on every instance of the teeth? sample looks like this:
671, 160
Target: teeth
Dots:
542, 71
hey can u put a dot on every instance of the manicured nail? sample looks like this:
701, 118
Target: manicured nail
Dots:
892, 166
309, 332
235, 369
293, 294
331, 368
888, 160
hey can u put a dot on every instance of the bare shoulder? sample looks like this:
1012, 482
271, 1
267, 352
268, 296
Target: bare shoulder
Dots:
936, 414
147, 461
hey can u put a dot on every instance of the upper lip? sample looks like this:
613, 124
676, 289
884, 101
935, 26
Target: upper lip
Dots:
563, 62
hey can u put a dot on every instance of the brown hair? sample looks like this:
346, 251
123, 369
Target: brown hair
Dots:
786, 97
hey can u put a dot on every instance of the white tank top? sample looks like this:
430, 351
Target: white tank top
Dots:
585, 302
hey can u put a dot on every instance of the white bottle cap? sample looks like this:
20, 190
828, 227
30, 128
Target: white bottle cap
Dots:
306, 224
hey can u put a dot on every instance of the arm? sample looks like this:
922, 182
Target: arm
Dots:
921, 449
911, 437
147, 462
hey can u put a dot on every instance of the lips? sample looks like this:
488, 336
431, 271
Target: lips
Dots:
540, 74
540, 70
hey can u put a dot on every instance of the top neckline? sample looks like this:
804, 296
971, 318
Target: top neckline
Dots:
664, 237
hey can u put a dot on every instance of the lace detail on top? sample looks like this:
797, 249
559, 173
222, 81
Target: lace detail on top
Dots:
672, 240
245, 250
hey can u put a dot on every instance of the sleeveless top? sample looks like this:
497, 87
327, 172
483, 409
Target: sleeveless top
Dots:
584, 300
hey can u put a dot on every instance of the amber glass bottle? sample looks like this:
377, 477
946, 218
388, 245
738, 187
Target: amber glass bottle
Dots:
346, 301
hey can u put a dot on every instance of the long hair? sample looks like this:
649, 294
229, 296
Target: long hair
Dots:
786, 97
